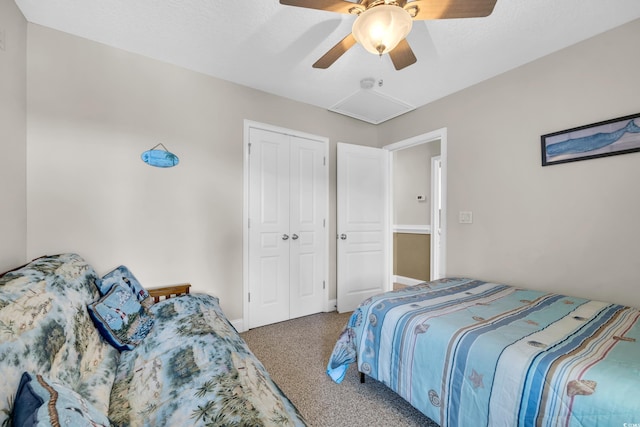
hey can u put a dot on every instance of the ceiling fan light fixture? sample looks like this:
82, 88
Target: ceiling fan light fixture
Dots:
380, 28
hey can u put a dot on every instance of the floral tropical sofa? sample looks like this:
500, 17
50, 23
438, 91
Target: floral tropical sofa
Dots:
183, 365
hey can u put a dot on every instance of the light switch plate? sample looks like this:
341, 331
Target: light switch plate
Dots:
466, 217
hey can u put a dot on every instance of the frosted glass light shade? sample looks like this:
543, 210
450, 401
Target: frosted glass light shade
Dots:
381, 28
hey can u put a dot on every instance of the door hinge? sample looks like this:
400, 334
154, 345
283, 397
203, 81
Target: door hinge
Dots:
249, 296
324, 161
248, 222
249, 148
324, 284
324, 223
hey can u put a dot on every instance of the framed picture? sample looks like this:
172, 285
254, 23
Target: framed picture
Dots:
608, 138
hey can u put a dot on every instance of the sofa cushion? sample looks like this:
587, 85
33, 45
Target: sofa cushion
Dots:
120, 318
123, 276
45, 329
42, 402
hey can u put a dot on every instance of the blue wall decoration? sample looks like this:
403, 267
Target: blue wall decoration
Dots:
160, 158
608, 138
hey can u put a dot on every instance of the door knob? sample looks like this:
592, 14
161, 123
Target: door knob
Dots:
343, 236
294, 237
285, 237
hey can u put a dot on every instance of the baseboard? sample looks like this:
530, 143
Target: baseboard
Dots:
238, 324
407, 280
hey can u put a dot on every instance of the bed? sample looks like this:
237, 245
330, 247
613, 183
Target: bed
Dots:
78, 350
470, 353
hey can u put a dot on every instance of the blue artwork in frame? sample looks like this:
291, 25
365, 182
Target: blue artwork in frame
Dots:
608, 138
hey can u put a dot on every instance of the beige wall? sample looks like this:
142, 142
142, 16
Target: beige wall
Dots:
412, 255
572, 227
94, 109
412, 177
13, 139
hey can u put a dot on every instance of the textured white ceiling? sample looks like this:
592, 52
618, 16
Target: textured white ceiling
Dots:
271, 47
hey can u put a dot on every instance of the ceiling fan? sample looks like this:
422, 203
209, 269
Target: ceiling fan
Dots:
382, 25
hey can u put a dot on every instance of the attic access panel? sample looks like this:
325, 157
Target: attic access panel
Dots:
371, 106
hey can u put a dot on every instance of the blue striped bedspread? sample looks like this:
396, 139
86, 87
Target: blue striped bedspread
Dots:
471, 353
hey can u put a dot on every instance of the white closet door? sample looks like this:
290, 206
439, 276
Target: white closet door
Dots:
269, 238
307, 222
287, 220
363, 260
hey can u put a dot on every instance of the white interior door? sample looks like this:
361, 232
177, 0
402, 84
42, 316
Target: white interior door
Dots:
362, 223
269, 238
286, 227
307, 225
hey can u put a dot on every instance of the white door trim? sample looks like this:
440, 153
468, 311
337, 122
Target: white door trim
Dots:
441, 135
436, 217
248, 124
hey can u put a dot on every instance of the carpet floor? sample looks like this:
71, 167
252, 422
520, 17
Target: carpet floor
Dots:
296, 353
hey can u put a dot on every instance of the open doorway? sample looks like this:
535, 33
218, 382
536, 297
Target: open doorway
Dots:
418, 199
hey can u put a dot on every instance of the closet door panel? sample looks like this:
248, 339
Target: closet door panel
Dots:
269, 261
307, 222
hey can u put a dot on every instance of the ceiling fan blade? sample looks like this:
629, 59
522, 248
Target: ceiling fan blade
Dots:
339, 6
402, 56
448, 9
335, 52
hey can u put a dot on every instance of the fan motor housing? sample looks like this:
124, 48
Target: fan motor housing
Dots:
371, 3
368, 4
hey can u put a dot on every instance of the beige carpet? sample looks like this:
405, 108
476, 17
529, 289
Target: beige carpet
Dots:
296, 353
